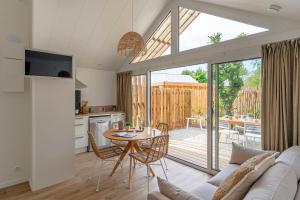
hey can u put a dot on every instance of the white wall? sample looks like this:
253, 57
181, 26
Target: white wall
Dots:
15, 121
52, 131
101, 84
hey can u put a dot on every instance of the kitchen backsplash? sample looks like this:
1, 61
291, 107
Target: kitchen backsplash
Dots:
106, 108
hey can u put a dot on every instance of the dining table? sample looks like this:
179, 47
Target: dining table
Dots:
132, 142
239, 122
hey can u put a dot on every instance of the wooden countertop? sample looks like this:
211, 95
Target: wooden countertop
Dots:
99, 114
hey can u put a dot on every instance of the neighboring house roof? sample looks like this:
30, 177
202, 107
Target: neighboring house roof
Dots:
176, 78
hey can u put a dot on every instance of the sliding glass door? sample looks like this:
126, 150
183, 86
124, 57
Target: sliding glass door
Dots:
206, 107
236, 100
179, 98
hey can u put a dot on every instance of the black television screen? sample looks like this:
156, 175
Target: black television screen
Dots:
47, 64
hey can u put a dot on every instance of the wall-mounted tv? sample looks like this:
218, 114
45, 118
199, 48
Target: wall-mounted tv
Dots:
47, 64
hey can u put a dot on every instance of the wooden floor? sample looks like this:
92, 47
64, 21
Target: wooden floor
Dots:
80, 187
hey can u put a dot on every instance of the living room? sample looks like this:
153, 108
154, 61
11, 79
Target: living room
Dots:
174, 98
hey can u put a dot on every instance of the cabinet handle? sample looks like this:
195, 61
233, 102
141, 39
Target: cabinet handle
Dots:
79, 137
79, 124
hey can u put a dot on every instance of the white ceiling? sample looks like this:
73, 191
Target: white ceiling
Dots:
290, 8
90, 29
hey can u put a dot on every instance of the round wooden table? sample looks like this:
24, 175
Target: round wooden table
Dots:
132, 143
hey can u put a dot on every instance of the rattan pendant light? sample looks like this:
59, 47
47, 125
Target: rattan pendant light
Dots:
131, 43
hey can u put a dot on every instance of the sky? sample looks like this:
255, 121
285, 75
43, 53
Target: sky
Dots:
205, 25
196, 35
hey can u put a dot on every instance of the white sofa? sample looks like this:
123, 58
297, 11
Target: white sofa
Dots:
279, 182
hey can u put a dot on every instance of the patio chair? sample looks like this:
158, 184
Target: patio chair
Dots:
157, 151
164, 129
224, 128
251, 131
103, 154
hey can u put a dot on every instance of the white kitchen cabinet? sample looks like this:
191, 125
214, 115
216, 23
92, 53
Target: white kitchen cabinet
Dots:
81, 136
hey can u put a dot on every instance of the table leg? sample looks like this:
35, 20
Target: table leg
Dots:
137, 148
130, 166
128, 146
200, 122
187, 123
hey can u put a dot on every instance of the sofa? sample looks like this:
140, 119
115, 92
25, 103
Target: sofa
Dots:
278, 182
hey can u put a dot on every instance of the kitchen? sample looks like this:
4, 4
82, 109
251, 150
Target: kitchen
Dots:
95, 108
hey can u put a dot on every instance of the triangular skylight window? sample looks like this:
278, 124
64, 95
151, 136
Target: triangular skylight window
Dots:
207, 29
160, 42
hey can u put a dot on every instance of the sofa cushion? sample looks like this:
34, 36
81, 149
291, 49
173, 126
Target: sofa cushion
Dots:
238, 183
297, 197
173, 192
222, 175
204, 191
240, 154
278, 182
291, 157
156, 196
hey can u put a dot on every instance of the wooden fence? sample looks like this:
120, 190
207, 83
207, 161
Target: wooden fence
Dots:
139, 100
172, 103
248, 101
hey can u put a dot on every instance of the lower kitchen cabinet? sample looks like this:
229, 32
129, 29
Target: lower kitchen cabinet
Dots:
81, 137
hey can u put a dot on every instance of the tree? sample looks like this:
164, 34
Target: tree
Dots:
215, 38
231, 73
187, 72
199, 75
254, 80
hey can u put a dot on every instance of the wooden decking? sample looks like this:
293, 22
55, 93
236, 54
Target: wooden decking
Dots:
191, 145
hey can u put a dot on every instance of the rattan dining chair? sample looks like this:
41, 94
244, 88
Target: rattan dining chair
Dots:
158, 149
103, 154
164, 129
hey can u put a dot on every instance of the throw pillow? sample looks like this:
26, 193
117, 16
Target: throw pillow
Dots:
222, 175
240, 154
239, 182
173, 192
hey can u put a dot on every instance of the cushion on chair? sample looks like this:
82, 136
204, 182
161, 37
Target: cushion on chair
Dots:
222, 175
173, 192
204, 191
140, 156
291, 157
240, 154
145, 144
278, 183
239, 182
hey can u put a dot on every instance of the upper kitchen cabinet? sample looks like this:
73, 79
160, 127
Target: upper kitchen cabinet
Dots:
12, 66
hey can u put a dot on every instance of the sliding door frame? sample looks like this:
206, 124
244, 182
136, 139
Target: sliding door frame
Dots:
216, 107
209, 169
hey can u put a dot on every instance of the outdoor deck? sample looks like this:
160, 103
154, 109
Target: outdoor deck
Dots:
191, 145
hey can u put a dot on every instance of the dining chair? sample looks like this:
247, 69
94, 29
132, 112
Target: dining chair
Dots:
103, 154
164, 129
158, 149
224, 128
251, 130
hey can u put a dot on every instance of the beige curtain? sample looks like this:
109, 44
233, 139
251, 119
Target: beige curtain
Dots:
124, 93
280, 95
